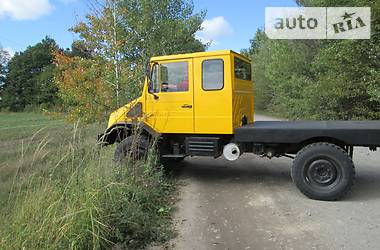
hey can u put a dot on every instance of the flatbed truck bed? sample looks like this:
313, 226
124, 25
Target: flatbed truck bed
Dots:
348, 133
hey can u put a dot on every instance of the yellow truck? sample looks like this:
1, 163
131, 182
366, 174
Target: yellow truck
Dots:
202, 104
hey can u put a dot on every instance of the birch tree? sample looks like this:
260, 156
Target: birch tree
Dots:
122, 35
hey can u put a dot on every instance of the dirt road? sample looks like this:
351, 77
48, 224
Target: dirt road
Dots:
253, 204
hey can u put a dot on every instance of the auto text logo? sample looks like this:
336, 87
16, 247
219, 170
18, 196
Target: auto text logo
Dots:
318, 23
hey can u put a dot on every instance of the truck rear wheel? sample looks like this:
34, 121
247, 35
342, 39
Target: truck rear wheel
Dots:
323, 171
134, 146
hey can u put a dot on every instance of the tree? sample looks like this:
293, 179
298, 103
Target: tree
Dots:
79, 49
81, 87
122, 35
282, 74
263, 91
319, 79
29, 78
4, 59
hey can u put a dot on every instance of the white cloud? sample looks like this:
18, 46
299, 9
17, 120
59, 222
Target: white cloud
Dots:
214, 29
25, 9
10, 51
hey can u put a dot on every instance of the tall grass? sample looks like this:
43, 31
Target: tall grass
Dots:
76, 197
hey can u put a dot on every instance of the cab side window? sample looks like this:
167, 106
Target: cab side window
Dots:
174, 77
213, 74
155, 85
242, 69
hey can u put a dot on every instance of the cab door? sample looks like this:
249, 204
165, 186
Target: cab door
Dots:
170, 106
212, 95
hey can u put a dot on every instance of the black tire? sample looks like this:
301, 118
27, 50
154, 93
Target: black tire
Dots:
135, 146
323, 171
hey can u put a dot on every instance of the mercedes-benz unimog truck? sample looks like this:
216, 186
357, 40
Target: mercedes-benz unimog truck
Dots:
202, 104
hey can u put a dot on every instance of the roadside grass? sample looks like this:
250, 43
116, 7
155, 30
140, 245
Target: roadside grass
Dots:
59, 191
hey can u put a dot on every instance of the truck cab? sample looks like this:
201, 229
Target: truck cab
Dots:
185, 88
199, 93
191, 102
202, 104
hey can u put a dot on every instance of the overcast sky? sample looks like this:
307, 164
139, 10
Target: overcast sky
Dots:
229, 24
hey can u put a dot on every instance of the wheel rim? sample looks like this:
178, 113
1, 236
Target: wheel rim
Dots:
322, 173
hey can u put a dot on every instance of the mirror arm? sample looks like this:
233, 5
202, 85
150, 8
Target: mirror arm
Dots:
151, 93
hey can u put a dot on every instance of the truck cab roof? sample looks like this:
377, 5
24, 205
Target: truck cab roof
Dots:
199, 54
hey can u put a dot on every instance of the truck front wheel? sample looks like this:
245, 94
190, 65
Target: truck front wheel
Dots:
135, 146
323, 171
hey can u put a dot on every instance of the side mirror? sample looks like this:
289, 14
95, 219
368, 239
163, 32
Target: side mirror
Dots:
148, 72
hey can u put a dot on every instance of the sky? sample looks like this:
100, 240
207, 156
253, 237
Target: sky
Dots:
229, 24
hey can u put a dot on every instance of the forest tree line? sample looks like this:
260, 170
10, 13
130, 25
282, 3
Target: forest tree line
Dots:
104, 68
319, 79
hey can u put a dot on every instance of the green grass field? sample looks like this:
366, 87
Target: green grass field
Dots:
58, 190
19, 133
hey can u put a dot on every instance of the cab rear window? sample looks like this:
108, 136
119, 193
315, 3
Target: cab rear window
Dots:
242, 69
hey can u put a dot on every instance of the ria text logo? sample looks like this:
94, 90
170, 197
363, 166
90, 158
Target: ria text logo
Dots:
318, 23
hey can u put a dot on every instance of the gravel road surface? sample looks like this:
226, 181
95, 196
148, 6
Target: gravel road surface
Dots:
253, 204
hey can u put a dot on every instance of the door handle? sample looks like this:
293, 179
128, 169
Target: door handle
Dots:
186, 106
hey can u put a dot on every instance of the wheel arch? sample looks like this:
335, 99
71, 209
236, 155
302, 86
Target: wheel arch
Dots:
120, 131
326, 139
294, 148
115, 133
